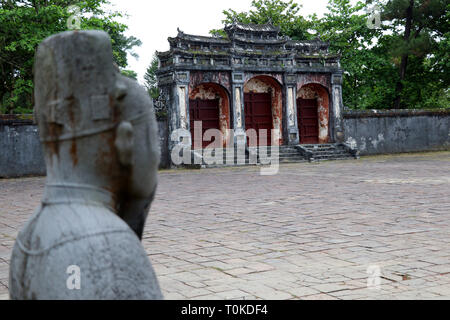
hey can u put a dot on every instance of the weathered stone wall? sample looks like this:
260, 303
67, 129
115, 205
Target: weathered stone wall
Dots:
20, 149
395, 131
163, 131
372, 132
21, 152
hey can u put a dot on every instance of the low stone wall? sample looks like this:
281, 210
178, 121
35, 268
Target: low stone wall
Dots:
21, 152
372, 132
395, 131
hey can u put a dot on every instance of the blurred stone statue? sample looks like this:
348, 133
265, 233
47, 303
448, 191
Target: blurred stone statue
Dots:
99, 134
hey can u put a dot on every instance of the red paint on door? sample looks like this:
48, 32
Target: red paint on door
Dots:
258, 115
206, 111
308, 120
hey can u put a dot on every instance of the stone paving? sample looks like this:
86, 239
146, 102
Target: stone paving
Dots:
314, 231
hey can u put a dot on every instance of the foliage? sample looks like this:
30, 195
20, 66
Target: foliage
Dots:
419, 32
24, 24
345, 28
129, 73
384, 68
404, 63
282, 14
151, 82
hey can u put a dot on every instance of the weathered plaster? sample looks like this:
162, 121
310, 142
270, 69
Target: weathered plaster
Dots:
199, 77
266, 84
257, 86
393, 131
377, 140
276, 76
212, 91
237, 103
317, 91
323, 79
307, 92
182, 99
352, 142
337, 102
291, 102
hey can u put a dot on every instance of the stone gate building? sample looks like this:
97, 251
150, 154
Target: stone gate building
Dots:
253, 78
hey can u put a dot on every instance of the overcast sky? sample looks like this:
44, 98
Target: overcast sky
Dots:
154, 21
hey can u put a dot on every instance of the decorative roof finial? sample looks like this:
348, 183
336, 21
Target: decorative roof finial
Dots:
180, 32
270, 21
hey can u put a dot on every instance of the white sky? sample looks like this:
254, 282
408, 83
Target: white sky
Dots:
154, 21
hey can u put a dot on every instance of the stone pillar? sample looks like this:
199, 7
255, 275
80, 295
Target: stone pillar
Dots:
182, 100
238, 108
179, 108
291, 135
338, 107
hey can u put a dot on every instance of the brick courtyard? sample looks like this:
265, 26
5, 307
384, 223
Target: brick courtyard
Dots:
311, 232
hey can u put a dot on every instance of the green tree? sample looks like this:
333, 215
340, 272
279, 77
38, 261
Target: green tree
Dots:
403, 62
151, 82
420, 31
366, 68
24, 24
282, 14
374, 58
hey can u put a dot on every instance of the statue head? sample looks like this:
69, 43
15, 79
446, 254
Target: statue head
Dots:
97, 127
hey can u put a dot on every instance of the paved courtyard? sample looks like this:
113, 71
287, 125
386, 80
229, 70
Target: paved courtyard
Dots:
314, 231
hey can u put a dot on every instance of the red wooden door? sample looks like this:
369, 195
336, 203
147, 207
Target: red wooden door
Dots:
206, 111
258, 114
308, 120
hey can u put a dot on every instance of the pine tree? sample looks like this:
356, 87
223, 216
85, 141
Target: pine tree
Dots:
417, 27
151, 83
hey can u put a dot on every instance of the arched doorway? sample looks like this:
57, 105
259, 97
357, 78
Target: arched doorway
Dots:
313, 114
263, 109
209, 104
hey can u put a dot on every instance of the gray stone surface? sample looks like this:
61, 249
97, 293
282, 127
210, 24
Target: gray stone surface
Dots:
163, 132
101, 149
235, 234
387, 132
20, 150
394, 131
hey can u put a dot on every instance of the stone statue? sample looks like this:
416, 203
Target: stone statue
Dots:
99, 134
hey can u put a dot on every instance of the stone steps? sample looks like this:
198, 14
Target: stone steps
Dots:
285, 154
324, 152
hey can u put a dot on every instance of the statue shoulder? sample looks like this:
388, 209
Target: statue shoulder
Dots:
53, 225
110, 263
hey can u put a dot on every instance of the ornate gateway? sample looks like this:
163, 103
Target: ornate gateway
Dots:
251, 79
